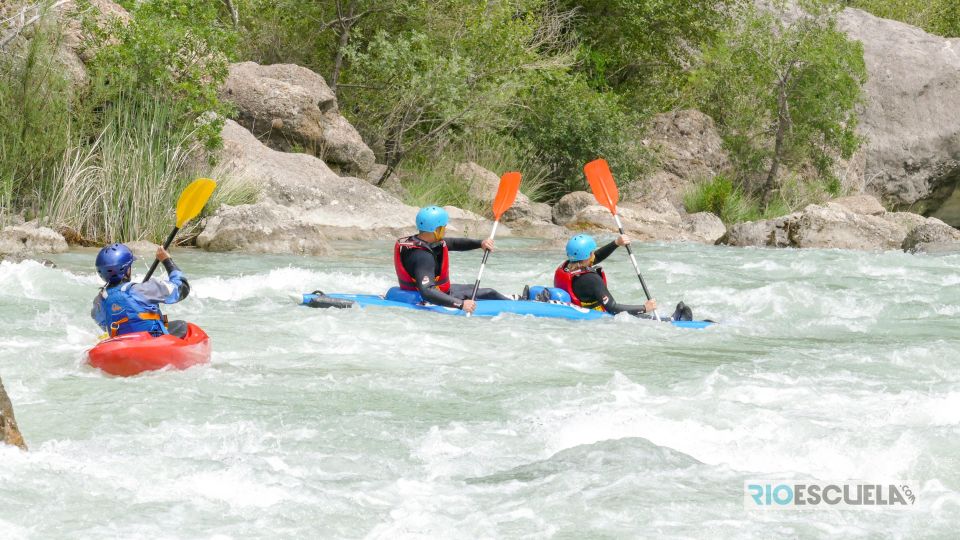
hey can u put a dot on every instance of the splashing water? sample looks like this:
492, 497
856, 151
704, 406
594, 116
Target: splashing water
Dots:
827, 366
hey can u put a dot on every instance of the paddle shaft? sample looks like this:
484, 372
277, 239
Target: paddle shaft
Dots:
636, 267
166, 245
483, 263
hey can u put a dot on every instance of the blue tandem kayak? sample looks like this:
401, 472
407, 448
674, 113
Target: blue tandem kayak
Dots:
397, 298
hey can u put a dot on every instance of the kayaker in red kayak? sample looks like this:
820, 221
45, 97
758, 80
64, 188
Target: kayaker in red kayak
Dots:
586, 282
123, 307
422, 262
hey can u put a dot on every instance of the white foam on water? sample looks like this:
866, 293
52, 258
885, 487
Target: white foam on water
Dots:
386, 423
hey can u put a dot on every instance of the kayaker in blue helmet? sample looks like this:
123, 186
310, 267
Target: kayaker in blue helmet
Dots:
422, 262
123, 307
586, 282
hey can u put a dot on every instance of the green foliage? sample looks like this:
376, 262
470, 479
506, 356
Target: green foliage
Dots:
643, 48
782, 92
941, 17
35, 122
171, 49
123, 185
722, 198
572, 124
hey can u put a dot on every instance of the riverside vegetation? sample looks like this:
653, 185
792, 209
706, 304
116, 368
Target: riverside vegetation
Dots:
537, 85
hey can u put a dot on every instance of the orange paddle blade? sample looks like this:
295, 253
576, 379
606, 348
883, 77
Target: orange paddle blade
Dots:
506, 193
602, 184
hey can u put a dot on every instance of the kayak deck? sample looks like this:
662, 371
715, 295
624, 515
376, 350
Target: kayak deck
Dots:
132, 354
485, 308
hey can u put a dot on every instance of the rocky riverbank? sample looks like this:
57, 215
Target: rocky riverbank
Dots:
319, 181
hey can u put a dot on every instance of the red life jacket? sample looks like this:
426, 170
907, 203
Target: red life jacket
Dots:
563, 279
407, 282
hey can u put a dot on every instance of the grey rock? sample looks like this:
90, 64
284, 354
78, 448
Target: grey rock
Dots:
834, 226
932, 237
570, 204
764, 233
861, 204
689, 149
912, 153
31, 238
292, 106
264, 227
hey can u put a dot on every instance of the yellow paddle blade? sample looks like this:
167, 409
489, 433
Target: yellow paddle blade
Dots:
602, 184
506, 193
193, 199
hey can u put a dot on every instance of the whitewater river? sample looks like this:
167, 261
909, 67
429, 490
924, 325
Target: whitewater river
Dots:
828, 367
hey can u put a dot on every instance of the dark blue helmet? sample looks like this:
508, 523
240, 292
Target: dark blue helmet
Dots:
113, 262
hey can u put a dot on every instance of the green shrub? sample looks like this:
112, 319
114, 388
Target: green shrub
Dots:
722, 198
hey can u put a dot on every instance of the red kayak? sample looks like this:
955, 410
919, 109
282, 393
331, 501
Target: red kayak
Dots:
135, 353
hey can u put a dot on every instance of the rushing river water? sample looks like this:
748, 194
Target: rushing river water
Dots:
828, 367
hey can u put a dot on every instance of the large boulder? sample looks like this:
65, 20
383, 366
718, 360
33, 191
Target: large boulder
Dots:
301, 196
30, 238
834, 226
9, 432
570, 205
265, 227
909, 120
847, 223
689, 149
932, 237
651, 221
292, 107
764, 233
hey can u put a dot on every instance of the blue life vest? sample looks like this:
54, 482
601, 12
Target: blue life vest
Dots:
125, 314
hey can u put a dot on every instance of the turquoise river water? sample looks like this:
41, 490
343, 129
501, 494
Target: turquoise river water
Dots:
828, 366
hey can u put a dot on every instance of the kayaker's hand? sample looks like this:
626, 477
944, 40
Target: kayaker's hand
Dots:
650, 306
623, 240
469, 306
162, 254
487, 244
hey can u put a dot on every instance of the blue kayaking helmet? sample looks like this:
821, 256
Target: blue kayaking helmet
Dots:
580, 247
113, 262
432, 218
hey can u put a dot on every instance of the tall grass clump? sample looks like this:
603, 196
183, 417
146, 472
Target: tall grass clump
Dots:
125, 184
36, 124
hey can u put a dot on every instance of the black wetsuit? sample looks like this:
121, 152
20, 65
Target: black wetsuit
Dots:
591, 290
425, 265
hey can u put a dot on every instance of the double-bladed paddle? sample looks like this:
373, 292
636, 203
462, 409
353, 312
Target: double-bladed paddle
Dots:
506, 194
191, 202
605, 191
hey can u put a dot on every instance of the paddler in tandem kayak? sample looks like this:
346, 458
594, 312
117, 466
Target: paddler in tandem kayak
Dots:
422, 262
123, 307
586, 282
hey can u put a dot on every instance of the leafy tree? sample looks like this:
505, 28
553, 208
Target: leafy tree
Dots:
171, 49
783, 92
643, 48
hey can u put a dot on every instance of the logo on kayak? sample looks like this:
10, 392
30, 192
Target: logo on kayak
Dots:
425, 280
116, 308
798, 496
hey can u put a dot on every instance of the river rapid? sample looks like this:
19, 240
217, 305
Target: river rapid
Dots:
829, 366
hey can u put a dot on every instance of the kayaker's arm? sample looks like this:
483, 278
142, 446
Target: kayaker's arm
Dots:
604, 252
98, 314
463, 244
421, 265
177, 277
591, 288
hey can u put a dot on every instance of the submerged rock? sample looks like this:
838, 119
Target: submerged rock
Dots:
291, 106
9, 432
